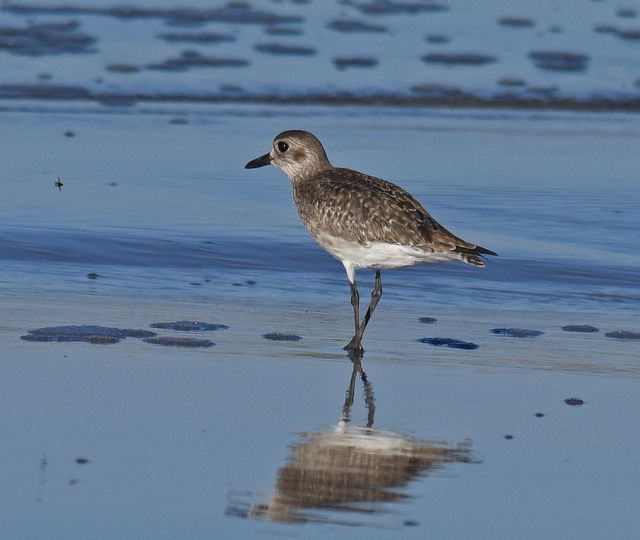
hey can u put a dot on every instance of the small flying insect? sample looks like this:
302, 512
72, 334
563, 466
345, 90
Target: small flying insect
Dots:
58, 183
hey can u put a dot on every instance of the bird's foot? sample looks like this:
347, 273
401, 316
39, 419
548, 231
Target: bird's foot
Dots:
354, 345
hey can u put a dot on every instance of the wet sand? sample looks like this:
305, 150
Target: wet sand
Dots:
146, 440
171, 360
205, 433
580, 56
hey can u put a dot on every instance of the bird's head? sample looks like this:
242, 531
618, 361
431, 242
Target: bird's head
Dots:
298, 153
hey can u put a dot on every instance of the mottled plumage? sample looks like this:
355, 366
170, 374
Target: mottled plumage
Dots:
364, 221
365, 209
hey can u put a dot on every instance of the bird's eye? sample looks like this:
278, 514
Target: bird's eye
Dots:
283, 146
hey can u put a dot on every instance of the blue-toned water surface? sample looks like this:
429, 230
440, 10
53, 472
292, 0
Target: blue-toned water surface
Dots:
242, 416
554, 194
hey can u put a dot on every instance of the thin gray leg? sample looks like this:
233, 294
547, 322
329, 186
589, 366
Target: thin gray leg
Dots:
375, 296
355, 302
355, 344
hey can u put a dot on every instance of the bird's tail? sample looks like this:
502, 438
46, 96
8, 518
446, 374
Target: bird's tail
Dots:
474, 255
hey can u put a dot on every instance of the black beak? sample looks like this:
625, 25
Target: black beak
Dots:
259, 162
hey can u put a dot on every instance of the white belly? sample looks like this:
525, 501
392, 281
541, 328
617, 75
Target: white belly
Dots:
379, 255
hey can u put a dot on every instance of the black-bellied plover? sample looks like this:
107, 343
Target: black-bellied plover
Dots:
363, 221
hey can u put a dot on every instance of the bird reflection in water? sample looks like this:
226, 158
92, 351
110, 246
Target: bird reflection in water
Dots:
351, 471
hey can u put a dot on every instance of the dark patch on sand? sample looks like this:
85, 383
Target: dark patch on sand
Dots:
239, 284
459, 59
559, 60
351, 25
626, 13
283, 31
440, 91
391, 7
123, 68
631, 34
196, 37
427, 320
180, 342
605, 28
584, 328
427, 95
50, 91
623, 334
511, 81
516, 332
191, 59
234, 12
574, 401
354, 61
277, 336
449, 342
85, 333
437, 39
45, 38
138, 333
189, 326
516, 22
102, 340
284, 50
114, 100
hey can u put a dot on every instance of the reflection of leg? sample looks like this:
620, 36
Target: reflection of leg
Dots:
354, 356
375, 296
369, 398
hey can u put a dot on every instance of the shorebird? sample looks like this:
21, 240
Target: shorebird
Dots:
363, 221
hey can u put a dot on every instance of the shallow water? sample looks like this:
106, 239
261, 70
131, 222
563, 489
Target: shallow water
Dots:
560, 211
158, 221
475, 408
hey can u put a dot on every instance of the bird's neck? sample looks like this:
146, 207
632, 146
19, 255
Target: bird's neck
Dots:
300, 170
